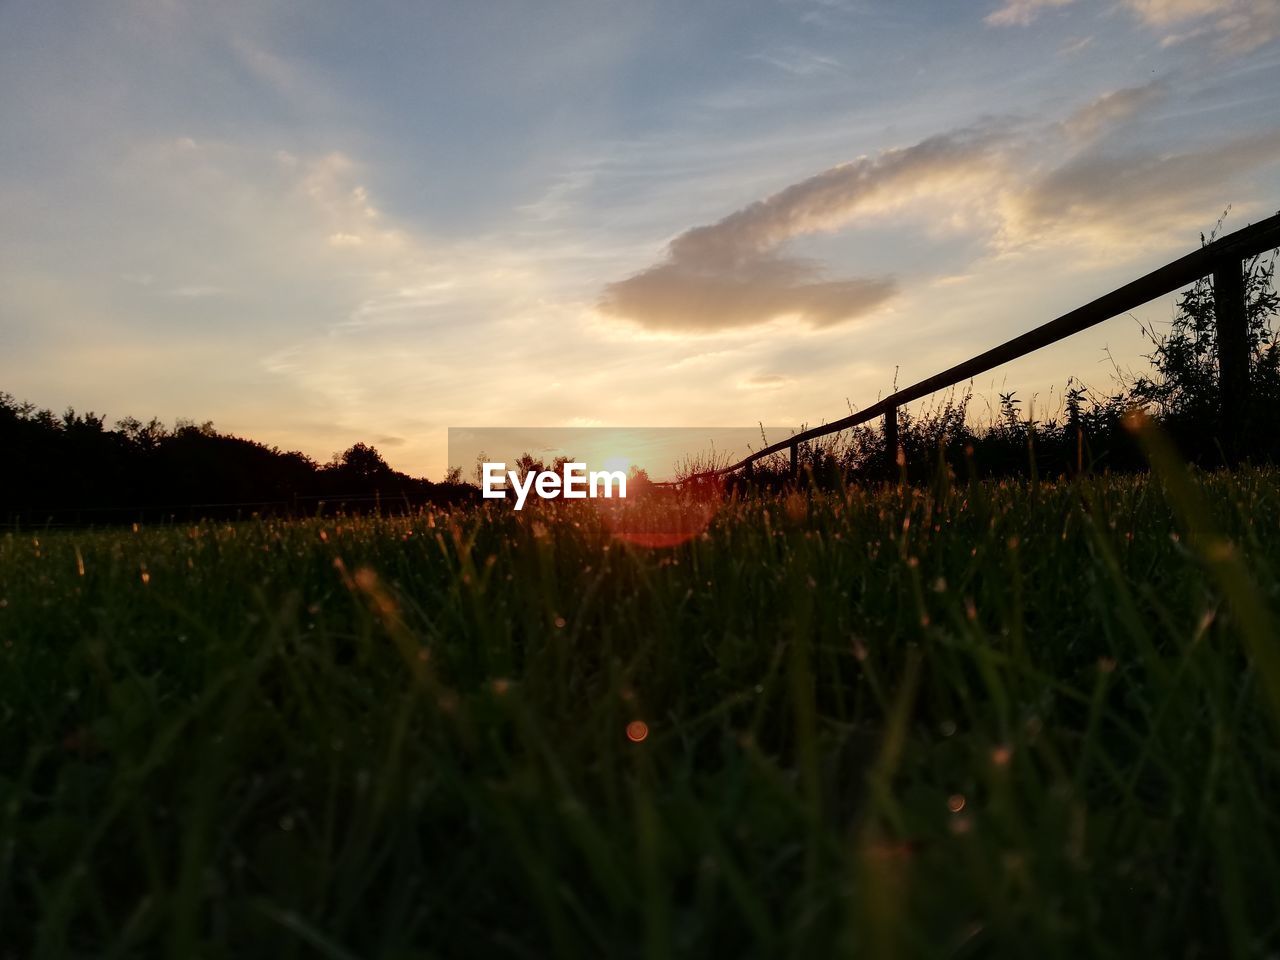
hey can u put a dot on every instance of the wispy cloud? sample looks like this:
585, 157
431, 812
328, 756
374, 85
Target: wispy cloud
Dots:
765, 381
1237, 26
1162, 13
1072, 47
1108, 196
1110, 108
1021, 12
799, 61
196, 291
732, 273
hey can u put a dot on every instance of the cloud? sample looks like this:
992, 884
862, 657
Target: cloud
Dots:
1162, 13
196, 291
1061, 184
1238, 26
731, 273
672, 297
765, 381
1072, 47
1128, 196
1110, 108
1019, 13
799, 61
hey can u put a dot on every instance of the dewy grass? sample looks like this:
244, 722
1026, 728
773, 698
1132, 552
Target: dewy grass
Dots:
974, 720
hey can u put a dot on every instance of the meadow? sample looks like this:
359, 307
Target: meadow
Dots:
965, 719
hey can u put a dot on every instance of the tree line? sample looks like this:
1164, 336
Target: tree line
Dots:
74, 469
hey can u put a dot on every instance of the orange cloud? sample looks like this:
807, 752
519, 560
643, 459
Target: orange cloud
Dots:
731, 274
1021, 12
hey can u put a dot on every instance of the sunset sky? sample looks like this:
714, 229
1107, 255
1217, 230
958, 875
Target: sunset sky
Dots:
321, 223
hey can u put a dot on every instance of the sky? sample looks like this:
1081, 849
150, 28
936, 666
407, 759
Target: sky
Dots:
323, 223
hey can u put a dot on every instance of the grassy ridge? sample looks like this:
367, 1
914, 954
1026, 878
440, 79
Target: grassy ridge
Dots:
968, 721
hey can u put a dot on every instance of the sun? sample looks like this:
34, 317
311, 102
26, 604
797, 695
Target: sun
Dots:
617, 463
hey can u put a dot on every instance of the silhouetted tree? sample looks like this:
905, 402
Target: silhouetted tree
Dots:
361, 460
1183, 387
72, 469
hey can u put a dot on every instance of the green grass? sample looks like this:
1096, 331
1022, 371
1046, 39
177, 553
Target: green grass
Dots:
977, 720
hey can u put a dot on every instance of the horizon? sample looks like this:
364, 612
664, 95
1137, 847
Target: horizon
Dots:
333, 228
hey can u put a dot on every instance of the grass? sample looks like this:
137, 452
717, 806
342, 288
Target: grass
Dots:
973, 720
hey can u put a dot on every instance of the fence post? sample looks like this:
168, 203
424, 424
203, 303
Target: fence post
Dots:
891, 441
795, 460
1233, 351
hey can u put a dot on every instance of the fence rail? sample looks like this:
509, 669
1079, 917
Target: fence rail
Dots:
1222, 259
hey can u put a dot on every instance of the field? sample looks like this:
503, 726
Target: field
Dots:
970, 719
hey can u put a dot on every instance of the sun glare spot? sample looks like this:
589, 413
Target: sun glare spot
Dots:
617, 463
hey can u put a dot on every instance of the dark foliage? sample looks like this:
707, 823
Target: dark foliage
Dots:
1086, 435
74, 470
1183, 388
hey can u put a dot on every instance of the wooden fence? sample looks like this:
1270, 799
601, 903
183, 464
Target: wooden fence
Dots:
1223, 259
